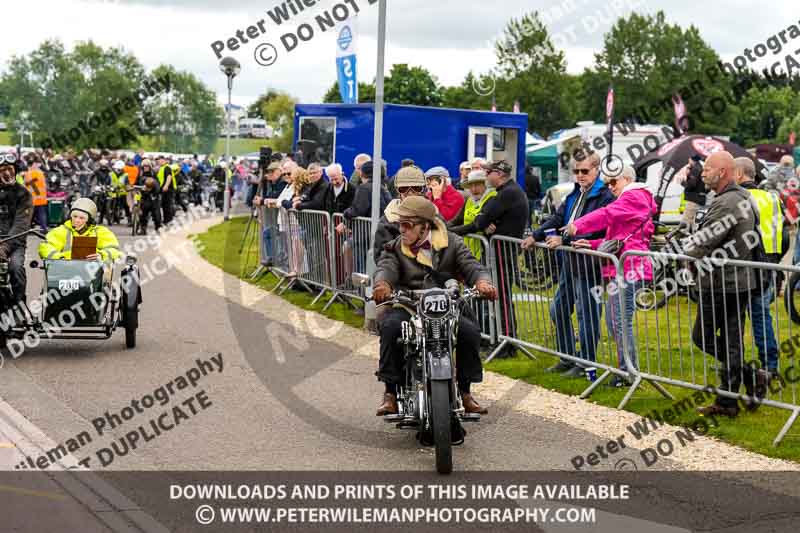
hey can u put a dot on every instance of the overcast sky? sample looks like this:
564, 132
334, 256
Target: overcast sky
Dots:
448, 37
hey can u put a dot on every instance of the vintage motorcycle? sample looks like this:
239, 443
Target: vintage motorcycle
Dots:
428, 400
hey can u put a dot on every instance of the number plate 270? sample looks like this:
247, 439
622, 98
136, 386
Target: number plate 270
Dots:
436, 304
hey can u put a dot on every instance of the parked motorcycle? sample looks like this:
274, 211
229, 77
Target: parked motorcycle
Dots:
428, 400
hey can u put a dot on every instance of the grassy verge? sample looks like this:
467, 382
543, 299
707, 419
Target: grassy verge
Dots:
654, 330
221, 248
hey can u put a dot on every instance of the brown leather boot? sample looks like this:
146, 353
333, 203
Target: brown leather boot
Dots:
471, 406
389, 405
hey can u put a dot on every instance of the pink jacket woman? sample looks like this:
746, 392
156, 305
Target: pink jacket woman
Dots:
630, 214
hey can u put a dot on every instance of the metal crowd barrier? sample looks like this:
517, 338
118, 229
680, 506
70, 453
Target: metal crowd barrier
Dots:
547, 296
485, 310
313, 229
349, 249
692, 347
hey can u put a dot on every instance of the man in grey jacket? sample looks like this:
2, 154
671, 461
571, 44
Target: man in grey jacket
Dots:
727, 232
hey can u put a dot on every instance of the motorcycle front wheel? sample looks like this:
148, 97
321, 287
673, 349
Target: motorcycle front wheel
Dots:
440, 424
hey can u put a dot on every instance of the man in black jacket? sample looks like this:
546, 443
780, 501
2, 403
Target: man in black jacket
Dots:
339, 194
504, 215
314, 196
16, 212
268, 191
577, 273
362, 207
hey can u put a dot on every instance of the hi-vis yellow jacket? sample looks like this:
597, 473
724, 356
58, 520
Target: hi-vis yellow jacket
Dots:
59, 242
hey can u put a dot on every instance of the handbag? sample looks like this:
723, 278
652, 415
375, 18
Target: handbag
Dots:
614, 246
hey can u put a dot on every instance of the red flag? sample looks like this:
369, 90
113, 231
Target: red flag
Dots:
610, 118
792, 138
680, 114
516, 106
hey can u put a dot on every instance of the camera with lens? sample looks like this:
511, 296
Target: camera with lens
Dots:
264, 158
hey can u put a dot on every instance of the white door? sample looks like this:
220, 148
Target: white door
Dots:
480, 143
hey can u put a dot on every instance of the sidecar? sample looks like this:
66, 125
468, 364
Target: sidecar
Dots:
81, 299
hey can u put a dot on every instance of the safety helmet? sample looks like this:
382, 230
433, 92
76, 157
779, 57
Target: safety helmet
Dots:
119, 165
85, 205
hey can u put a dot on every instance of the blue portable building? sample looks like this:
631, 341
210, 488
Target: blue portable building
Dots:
430, 136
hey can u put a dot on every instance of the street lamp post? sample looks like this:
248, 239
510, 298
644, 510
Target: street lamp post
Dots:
231, 68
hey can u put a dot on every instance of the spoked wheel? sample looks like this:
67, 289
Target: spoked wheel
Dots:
440, 423
791, 297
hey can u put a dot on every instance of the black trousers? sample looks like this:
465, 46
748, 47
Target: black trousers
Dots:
151, 208
718, 331
468, 361
507, 273
168, 205
17, 276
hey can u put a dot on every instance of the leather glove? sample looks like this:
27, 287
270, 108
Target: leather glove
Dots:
381, 292
486, 290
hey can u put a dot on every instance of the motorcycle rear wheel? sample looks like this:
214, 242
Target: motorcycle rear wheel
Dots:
440, 423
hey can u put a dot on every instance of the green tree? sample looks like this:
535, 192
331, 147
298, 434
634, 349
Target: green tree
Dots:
531, 71
763, 113
188, 117
58, 90
403, 85
648, 60
366, 93
279, 113
473, 93
255, 109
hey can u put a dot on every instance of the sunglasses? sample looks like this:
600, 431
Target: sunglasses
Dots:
583, 171
286, 174
410, 190
7, 159
611, 182
406, 225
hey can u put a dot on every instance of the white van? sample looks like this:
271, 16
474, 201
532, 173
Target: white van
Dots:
631, 142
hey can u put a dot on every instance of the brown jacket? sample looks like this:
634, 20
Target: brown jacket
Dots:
450, 259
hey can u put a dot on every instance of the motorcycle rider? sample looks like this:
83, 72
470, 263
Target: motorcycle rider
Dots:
16, 212
82, 222
119, 179
166, 181
424, 256
151, 197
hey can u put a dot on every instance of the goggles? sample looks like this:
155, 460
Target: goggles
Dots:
7, 159
410, 190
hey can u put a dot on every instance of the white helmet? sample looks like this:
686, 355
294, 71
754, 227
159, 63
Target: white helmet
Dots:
223, 164
85, 205
103, 163
119, 165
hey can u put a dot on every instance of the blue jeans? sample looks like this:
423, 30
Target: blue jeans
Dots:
572, 290
619, 321
763, 332
796, 258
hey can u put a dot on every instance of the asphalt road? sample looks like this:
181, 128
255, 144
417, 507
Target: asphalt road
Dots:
312, 412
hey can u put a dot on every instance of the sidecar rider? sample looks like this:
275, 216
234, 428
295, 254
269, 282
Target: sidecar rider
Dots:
424, 256
83, 214
16, 212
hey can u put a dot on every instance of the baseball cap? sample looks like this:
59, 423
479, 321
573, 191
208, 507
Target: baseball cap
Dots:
273, 166
499, 166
